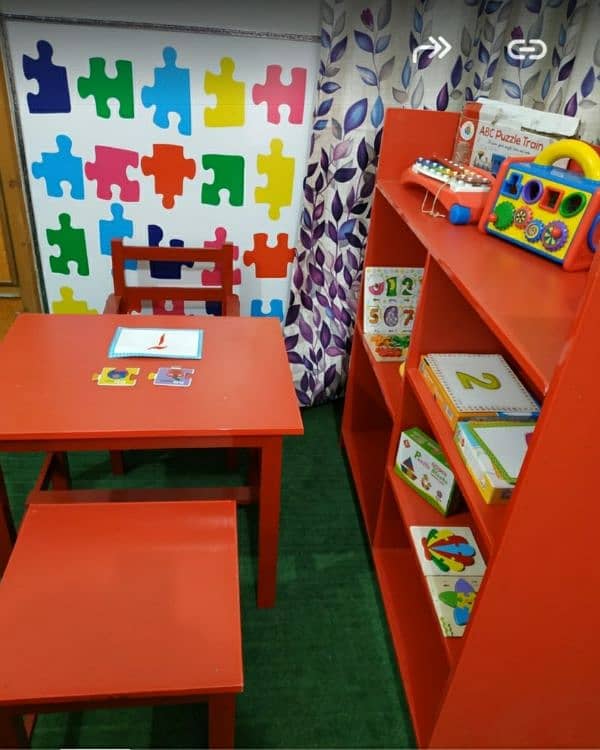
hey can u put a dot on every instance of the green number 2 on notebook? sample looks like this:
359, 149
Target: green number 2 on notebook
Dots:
487, 380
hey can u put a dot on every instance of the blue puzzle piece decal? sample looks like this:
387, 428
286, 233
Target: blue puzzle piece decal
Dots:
53, 87
213, 308
276, 311
60, 166
170, 93
116, 228
164, 269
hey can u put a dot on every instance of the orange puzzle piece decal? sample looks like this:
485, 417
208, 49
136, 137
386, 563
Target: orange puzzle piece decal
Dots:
169, 167
270, 261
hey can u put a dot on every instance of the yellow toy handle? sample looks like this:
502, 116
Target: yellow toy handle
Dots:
569, 148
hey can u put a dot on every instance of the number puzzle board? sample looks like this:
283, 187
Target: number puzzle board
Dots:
390, 298
162, 138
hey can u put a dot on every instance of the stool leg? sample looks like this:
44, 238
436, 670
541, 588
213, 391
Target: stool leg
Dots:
117, 462
12, 731
221, 721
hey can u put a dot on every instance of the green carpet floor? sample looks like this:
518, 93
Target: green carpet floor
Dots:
319, 667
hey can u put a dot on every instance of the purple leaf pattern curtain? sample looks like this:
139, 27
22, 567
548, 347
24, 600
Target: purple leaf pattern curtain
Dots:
367, 65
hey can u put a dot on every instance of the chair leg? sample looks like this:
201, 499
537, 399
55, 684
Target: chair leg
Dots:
60, 476
117, 462
12, 731
221, 721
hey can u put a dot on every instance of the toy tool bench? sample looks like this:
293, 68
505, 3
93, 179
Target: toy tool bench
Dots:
549, 210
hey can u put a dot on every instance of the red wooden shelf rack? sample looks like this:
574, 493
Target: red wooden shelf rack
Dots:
526, 673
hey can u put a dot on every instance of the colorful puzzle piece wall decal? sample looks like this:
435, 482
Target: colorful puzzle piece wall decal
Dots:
71, 242
170, 93
164, 269
270, 261
279, 169
231, 95
110, 168
53, 88
116, 228
122, 376
228, 174
169, 167
275, 311
275, 93
60, 166
103, 87
213, 278
68, 304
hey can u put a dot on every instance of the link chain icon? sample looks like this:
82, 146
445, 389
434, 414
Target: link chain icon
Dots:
439, 47
522, 49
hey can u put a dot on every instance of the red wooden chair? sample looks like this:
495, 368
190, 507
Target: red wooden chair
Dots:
128, 298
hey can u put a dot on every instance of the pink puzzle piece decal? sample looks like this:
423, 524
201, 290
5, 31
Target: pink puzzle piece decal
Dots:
213, 278
110, 169
276, 93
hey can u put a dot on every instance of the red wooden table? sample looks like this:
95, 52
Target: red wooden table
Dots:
242, 396
139, 605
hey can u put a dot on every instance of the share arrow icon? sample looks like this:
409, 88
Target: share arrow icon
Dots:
439, 47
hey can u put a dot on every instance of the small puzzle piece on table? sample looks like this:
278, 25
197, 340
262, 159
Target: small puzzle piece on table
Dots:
276, 309
103, 87
110, 168
228, 175
123, 376
69, 305
72, 247
170, 93
53, 87
280, 179
213, 278
169, 167
231, 96
116, 228
275, 93
60, 166
164, 269
270, 261
179, 377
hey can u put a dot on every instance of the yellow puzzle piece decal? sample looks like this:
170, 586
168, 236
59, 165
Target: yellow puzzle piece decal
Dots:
231, 96
68, 304
280, 179
118, 376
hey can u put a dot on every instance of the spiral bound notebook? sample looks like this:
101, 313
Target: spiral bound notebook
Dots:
166, 343
473, 385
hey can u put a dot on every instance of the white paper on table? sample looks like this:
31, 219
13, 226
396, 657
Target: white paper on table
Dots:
167, 343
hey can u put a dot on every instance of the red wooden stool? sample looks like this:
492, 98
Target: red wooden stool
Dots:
140, 606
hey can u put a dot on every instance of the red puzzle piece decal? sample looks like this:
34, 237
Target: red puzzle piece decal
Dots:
275, 93
270, 261
213, 278
110, 168
169, 167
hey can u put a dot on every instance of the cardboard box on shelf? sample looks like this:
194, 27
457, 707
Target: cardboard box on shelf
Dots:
489, 131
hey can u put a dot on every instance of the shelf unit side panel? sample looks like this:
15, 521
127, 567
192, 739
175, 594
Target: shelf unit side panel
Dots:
529, 675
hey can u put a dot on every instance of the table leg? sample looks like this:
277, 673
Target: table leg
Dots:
12, 731
221, 721
7, 527
60, 474
269, 500
117, 462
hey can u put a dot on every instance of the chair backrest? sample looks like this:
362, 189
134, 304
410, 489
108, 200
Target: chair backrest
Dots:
131, 296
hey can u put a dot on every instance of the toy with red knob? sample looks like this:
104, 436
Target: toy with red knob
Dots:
546, 209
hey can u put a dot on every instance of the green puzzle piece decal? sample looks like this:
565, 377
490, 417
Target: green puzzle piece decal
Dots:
228, 175
72, 247
103, 87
